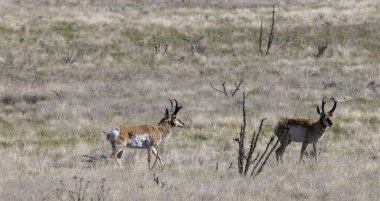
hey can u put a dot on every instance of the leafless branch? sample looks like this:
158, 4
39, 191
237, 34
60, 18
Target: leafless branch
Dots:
252, 146
218, 90
57, 94
261, 37
343, 19
194, 43
241, 151
321, 49
166, 49
271, 33
229, 167
186, 2
262, 155
267, 157
224, 90
257, 156
237, 87
157, 45
92, 158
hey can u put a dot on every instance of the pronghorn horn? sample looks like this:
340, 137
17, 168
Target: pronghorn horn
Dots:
323, 105
319, 112
333, 108
177, 108
171, 103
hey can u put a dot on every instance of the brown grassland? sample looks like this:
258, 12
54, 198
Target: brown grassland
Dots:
70, 69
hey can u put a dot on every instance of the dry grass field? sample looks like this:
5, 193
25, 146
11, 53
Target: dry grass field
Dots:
70, 69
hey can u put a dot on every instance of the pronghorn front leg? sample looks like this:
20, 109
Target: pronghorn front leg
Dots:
315, 152
149, 150
155, 153
303, 148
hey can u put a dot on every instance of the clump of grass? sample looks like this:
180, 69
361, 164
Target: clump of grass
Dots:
81, 190
374, 120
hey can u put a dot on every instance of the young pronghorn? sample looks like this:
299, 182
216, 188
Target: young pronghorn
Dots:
143, 136
303, 130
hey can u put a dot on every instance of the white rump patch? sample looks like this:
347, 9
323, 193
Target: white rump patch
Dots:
275, 129
112, 134
141, 140
297, 133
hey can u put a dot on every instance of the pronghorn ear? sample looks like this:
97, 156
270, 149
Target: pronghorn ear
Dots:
166, 112
319, 112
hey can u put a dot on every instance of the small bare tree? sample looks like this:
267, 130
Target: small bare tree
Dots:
246, 160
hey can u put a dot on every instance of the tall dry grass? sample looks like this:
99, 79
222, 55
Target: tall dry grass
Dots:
71, 69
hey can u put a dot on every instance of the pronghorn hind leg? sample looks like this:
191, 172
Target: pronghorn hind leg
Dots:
303, 148
315, 152
118, 158
117, 147
279, 153
284, 142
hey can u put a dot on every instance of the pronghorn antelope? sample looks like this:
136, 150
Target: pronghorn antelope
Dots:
143, 136
303, 130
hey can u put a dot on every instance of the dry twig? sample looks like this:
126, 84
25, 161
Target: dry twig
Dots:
224, 90
321, 49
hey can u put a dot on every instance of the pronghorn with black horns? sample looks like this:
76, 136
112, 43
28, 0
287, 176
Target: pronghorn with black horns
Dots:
143, 136
303, 130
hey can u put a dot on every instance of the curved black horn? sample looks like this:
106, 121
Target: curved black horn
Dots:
319, 112
333, 108
323, 104
177, 108
171, 103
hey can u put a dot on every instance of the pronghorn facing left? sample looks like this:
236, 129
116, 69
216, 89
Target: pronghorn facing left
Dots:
143, 136
303, 130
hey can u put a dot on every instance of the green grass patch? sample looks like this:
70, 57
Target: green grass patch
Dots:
339, 132
67, 30
198, 137
6, 128
133, 35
